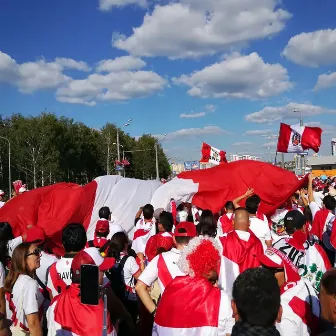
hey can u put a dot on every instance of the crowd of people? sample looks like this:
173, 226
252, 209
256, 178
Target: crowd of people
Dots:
186, 271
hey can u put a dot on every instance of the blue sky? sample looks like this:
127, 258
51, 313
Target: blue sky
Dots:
221, 71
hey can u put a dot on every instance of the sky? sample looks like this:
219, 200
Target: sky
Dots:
225, 72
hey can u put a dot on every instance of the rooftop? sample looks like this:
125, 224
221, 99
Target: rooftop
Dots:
321, 160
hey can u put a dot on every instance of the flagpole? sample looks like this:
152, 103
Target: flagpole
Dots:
275, 159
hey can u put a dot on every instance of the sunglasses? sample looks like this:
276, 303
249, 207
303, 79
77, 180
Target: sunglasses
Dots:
36, 252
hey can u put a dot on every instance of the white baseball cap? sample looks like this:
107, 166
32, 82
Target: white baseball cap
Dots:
22, 190
2, 193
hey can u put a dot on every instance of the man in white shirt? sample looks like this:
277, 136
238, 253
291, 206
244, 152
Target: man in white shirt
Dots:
164, 266
259, 227
105, 214
59, 277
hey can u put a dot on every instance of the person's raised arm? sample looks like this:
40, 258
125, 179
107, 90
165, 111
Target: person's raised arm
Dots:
249, 192
304, 199
310, 188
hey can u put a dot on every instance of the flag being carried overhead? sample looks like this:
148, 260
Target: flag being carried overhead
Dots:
297, 139
212, 155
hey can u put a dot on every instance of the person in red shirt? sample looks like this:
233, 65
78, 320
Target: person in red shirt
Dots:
100, 240
240, 247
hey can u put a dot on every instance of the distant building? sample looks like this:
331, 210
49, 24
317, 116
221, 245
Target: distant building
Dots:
333, 147
236, 157
177, 168
322, 165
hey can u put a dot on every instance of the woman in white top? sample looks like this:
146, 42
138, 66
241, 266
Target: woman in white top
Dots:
25, 298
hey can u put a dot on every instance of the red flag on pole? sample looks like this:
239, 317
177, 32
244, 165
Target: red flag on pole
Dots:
297, 139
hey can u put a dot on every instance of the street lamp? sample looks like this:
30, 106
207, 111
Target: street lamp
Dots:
156, 156
9, 167
118, 149
302, 159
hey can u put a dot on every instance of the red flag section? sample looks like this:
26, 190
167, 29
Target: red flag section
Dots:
296, 139
223, 183
52, 208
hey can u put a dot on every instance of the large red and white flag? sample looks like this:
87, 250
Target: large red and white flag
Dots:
212, 155
297, 139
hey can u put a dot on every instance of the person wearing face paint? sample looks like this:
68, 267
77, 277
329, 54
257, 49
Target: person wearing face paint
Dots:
25, 299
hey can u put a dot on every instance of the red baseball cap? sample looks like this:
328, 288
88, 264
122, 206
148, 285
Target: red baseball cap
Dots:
189, 227
102, 226
91, 256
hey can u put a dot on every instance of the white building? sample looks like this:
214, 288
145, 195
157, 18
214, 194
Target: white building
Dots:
236, 157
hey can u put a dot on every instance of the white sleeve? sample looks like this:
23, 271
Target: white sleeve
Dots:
12, 244
225, 319
313, 208
287, 327
267, 230
2, 275
150, 274
30, 295
132, 265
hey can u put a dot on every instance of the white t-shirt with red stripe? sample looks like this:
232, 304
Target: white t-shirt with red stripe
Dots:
300, 307
45, 262
26, 299
59, 275
168, 269
261, 229
130, 269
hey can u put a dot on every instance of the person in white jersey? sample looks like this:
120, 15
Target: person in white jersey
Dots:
59, 277
259, 227
25, 299
164, 266
67, 315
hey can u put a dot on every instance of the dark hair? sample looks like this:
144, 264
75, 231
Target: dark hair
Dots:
329, 202
257, 296
148, 211
207, 225
104, 213
6, 234
229, 205
252, 204
118, 242
328, 281
183, 240
308, 214
166, 219
18, 266
74, 237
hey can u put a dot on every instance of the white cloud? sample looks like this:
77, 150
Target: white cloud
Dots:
115, 86
272, 114
210, 108
258, 132
246, 143
193, 115
72, 64
271, 144
122, 63
106, 5
193, 28
325, 81
238, 77
38, 75
193, 132
312, 49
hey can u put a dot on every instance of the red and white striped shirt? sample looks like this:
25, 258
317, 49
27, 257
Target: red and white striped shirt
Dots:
163, 268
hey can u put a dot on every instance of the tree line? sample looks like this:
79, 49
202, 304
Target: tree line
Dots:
46, 149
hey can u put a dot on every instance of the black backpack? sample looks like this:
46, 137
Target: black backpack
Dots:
116, 276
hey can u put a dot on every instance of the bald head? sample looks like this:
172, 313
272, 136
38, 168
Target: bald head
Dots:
241, 219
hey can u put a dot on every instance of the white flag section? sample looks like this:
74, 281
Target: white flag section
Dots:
215, 157
294, 145
212, 155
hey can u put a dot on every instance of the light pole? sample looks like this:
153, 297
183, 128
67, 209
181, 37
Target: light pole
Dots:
9, 167
118, 149
156, 156
302, 159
